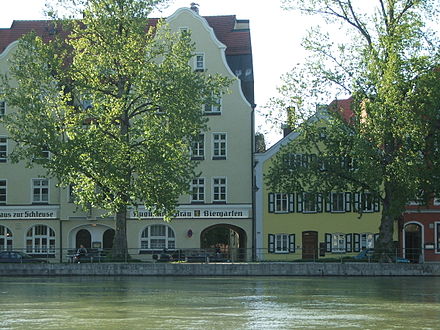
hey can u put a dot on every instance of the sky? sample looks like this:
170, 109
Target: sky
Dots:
275, 33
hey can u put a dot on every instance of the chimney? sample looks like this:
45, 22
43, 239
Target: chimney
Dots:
195, 7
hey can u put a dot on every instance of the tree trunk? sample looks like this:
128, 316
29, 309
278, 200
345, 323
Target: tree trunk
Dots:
384, 246
120, 250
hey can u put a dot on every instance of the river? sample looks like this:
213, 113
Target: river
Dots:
220, 303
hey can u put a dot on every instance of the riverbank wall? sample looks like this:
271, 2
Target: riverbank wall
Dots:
221, 269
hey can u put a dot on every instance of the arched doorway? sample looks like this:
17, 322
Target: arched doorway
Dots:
83, 237
226, 241
413, 241
107, 238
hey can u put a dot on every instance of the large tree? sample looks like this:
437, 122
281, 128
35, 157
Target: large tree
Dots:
116, 103
387, 143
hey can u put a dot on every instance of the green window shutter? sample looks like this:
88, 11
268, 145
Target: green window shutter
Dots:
299, 202
271, 203
291, 203
376, 204
328, 205
292, 243
328, 242
356, 242
319, 202
347, 202
271, 243
348, 243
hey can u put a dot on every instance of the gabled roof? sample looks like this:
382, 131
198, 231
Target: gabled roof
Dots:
238, 42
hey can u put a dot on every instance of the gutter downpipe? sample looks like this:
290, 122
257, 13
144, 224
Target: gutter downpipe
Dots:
254, 235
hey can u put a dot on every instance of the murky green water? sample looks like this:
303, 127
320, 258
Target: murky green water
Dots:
219, 303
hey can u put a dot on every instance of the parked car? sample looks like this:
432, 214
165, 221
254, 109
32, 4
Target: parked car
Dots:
19, 257
369, 253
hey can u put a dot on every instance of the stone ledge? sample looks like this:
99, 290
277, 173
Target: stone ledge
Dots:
221, 269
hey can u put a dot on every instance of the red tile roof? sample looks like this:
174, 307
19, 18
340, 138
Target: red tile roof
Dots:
344, 107
237, 42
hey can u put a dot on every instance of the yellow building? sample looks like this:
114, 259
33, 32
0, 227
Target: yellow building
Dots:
40, 218
304, 225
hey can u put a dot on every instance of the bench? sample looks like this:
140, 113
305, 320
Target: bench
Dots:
92, 255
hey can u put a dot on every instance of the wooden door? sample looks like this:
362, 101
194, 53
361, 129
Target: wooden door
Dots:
310, 245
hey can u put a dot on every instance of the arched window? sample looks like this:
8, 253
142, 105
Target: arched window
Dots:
5, 238
158, 237
40, 239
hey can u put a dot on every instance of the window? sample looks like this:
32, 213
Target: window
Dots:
5, 238
3, 149
281, 203
338, 243
219, 146
309, 202
184, 30
365, 202
158, 238
219, 190
3, 192
367, 241
281, 243
40, 239
40, 191
198, 190
198, 147
199, 62
2, 109
214, 107
337, 202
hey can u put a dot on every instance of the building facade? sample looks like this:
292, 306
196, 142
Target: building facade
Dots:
41, 218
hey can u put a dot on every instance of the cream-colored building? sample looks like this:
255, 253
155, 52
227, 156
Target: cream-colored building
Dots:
40, 218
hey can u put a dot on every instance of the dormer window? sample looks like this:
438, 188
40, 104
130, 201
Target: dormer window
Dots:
200, 62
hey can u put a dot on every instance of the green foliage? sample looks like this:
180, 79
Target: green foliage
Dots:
114, 101
389, 65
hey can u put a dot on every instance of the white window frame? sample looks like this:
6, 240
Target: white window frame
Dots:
364, 199
169, 238
332, 200
338, 243
305, 210
219, 145
436, 201
199, 65
198, 147
3, 149
198, 189
6, 238
2, 108
41, 188
213, 109
36, 238
218, 186
281, 203
281, 243
5, 187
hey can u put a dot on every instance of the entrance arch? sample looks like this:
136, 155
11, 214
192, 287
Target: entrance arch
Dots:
83, 237
107, 238
227, 240
412, 235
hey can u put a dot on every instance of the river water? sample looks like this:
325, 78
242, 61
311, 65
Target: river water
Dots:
220, 303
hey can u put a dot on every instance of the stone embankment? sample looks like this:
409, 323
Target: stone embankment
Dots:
221, 269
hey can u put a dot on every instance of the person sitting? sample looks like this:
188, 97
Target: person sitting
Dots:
81, 252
